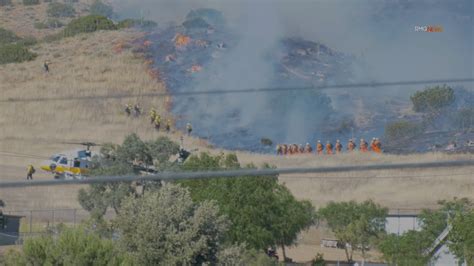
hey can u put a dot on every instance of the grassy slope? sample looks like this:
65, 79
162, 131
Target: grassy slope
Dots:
21, 19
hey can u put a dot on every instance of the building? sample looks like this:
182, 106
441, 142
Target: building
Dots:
9, 229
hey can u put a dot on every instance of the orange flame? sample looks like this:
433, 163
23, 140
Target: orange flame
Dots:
147, 43
181, 40
195, 68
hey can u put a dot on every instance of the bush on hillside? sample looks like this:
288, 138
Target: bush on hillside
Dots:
130, 23
58, 10
7, 36
15, 53
89, 23
101, 9
432, 99
30, 2
402, 129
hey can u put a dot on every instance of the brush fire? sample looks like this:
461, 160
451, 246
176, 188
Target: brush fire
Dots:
181, 40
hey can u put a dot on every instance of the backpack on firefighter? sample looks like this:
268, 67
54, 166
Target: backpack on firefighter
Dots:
338, 147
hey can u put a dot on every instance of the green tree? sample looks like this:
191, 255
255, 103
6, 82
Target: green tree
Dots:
405, 250
263, 212
461, 237
357, 225
412, 247
432, 99
131, 157
70, 247
165, 227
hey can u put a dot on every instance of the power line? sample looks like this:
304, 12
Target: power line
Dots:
21, 155
171, 176
238, 91
338, 178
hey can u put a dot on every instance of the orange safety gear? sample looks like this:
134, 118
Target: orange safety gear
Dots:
319, 147
328, 148
363, 146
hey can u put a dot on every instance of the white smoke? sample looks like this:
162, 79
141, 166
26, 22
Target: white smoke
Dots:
380, 34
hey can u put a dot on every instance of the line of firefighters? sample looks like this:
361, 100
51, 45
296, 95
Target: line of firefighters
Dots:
155, 118
329, 148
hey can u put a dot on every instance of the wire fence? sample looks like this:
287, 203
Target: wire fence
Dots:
40, 220
22, 224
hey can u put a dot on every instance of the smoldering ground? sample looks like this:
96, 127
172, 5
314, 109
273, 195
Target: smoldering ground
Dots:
379, 35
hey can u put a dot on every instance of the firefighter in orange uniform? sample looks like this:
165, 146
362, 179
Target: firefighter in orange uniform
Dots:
363, 146
372, 145
328, 147
338, 147
377, 146
351, 145
319, 147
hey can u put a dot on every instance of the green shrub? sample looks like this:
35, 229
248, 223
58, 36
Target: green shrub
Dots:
402, 129
432, 99
28, 41
7, 36
89, 23
101, 9
129, 23
60, 10
69, 247
15, 53
5, 2
30, 2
